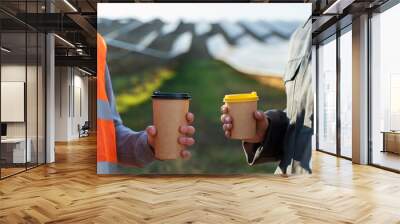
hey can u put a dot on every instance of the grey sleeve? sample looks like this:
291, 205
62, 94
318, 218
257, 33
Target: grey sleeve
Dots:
132, 147
271, 148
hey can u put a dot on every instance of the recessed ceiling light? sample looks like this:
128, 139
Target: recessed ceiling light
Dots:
70, 5
84, 71
65, 41
5, 50
338, 6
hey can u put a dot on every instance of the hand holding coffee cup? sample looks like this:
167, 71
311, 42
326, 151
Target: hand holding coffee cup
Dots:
186, 140
172, 131
241, 120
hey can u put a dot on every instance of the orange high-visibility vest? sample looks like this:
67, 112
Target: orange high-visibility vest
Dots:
106, 140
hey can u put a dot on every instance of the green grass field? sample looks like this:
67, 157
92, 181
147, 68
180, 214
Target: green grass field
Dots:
207, 81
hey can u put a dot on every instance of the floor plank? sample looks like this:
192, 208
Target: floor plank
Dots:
69, 191
387, 159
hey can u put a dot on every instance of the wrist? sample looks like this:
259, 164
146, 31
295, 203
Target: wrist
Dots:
265, 130
150, 142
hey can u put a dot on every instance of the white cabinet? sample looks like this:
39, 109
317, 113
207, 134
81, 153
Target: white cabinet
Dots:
19, 155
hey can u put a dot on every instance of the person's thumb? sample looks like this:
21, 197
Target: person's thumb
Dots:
261, 120
259, 116
151, 133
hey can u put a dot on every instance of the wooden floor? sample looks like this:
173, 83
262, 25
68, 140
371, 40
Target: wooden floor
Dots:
387, 159
5, 172
69, 191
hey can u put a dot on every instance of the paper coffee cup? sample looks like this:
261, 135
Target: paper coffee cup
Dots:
169, 113
241, 108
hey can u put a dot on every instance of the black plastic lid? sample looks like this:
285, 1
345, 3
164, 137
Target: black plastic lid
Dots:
175, 96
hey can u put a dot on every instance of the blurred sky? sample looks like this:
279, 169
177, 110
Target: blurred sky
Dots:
210, 12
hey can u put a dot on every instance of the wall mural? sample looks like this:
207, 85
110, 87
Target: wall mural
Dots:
202, 88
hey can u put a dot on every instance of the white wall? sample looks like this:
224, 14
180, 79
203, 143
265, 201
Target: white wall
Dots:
16, 73
61, 103
12, 73
33, 126
71, 94
80, 110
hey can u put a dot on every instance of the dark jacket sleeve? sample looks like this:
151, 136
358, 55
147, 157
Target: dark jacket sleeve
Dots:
271, 148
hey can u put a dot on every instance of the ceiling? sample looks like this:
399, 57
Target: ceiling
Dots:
76, 22
329, 16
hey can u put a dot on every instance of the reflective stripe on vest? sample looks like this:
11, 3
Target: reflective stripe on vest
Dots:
106, 140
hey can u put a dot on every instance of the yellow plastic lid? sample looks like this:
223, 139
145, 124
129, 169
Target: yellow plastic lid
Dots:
243, 97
